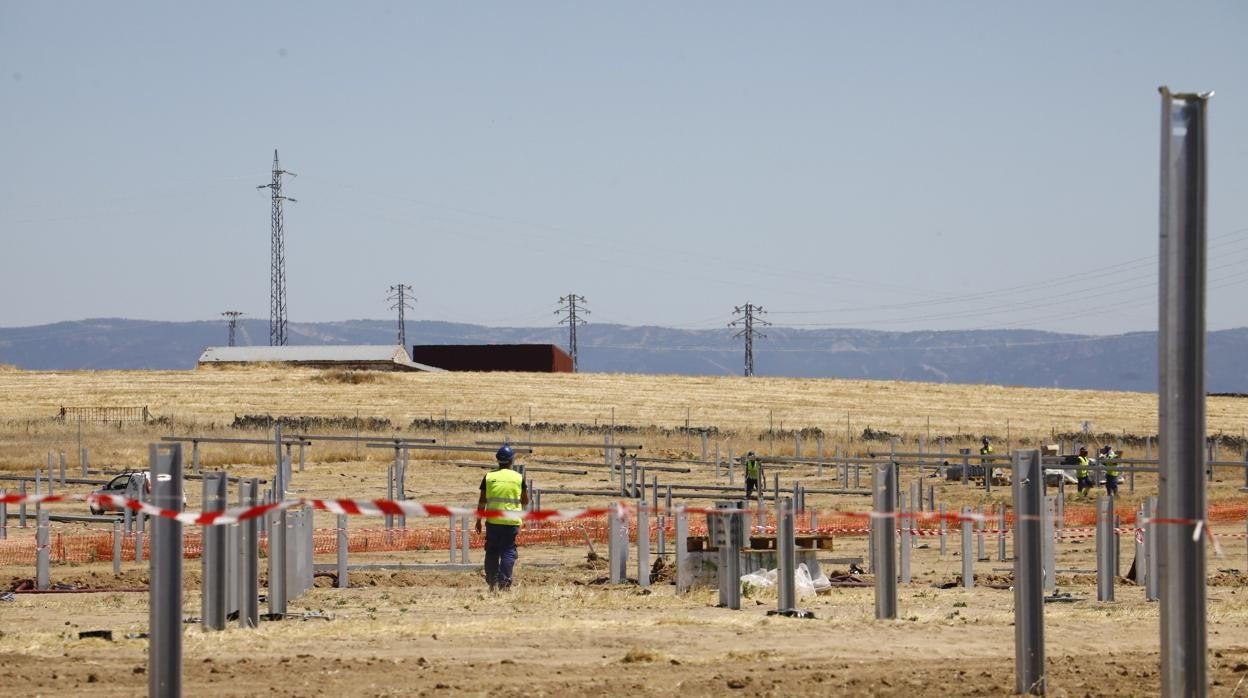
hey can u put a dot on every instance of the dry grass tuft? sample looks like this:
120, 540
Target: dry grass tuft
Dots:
638, 655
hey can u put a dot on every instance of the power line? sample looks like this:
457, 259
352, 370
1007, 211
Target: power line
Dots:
277, 267
398, 294
233, 316
745, 317
571, 319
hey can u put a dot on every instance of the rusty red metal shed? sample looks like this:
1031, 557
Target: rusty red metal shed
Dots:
536, 358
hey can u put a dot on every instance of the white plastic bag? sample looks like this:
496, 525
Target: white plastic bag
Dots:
757, 581
802, 582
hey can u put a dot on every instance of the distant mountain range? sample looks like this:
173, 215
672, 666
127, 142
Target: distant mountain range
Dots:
1005, 357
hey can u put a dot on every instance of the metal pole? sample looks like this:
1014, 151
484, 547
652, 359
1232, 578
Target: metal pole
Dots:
164, 645
786, 546
212, 599
1049, 545
21, 508
4, 516
453, 535
249, 558
1181, 390
944, 532
1104, 553
62, 471
85, 460
1001, 536
903, 524
613, 544
43, 549
343, 582
1028, 482
883, 536
968, 569
682, 551
116, 547
1152, 588
643, 542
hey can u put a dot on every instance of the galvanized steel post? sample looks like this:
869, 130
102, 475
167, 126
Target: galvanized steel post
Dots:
786, 549
249, 558
904, 523
343, 582
883, 538
1104, 553
43, 550
968, 569
682, 551
1029, 533
164, 645
212, 598
1049, 544
1152, 589
1181, 390
643, 542
116, 547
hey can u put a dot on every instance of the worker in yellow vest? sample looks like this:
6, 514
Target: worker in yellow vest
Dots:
1083, 473
504, 491
1109, 459
753, 469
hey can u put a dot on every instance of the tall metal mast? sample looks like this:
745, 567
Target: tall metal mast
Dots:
746, 319
398, 294
277, 270
572, 319
232, 316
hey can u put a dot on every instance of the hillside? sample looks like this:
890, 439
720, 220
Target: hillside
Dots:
1001, 357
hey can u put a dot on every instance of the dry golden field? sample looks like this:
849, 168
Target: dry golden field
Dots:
744, 406
561, 632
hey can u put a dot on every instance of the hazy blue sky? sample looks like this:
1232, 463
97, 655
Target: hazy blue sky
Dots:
878, 165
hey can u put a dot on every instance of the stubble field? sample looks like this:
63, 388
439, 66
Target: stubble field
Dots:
562, 631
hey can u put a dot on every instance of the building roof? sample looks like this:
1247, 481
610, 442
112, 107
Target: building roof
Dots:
320, 353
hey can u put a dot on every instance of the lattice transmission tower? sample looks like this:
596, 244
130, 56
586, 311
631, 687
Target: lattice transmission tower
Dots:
402, 301
232, 316
746, 319
572, 313
277, 269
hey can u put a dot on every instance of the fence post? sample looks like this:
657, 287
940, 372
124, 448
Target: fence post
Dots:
944, 530
4, 516
249, 558
883, 538
1152, 589
1001, 536
342, 551
643, 542
1181, 357
62, 471
1104, 552
682, 551
213, 561
968, 567
83, 461
453, 537
165, 606
613, 544
1028, 483
116, 547
43, 549
903, 525
1049, 544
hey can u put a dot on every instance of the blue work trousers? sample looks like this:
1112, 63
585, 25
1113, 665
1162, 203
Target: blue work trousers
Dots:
500, 554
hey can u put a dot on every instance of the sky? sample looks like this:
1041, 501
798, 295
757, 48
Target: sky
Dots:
889, 166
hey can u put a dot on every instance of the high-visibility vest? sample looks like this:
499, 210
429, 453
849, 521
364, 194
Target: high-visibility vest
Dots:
985, 450
1082, 472
1110, 462
503, 488
751, 469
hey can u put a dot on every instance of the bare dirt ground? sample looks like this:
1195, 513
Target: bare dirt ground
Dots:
562, 631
